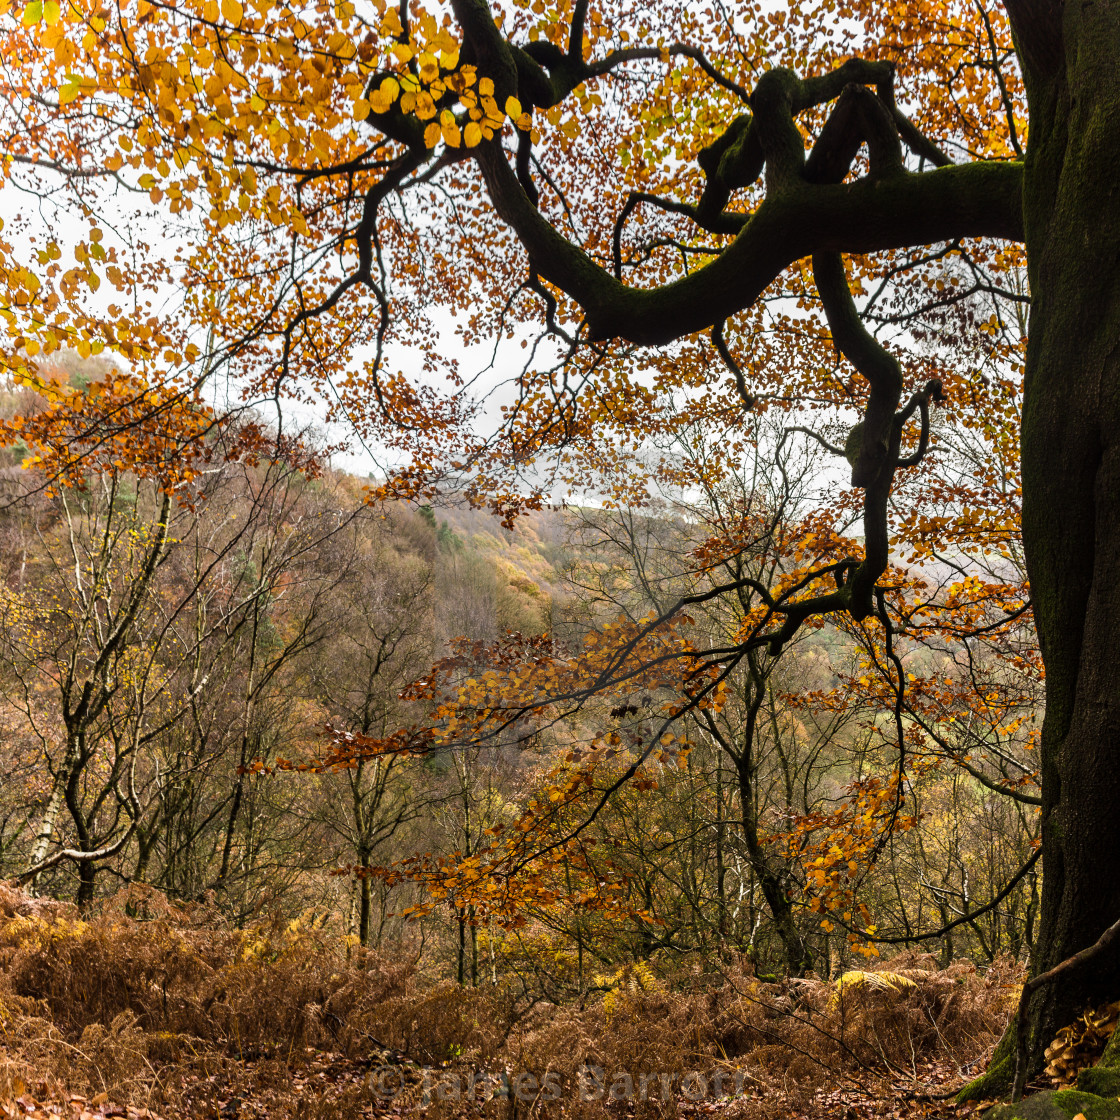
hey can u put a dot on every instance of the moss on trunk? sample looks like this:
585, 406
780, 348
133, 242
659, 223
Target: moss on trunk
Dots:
1071, 483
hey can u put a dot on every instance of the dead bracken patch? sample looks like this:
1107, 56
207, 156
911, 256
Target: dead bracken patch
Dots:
148, 1008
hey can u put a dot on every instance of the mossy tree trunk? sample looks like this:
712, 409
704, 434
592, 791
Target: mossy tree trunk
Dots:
1071, 478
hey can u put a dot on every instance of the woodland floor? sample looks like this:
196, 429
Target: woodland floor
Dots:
319, 1083
150, 1011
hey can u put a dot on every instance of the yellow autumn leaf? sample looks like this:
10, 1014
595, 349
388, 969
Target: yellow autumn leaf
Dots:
451, 138
472, 135
378, 102
391, 22
70, 90
513, 108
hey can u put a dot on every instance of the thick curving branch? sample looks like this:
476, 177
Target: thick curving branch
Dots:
975, 200
77, 855
808, 211
859, 117
870, 459
874, 444
796, 220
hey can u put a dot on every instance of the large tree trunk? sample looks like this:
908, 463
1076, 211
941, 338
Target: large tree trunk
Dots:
1071, 479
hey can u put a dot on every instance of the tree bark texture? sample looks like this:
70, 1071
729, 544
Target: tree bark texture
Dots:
1071, 480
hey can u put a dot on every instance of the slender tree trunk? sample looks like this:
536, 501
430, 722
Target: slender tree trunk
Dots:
352, 918
723, 916
461, 970
231, 827
86, 872
54, 804
798, 957
365, 900
474, 950
82, 825
146, 844
1071, 480
243, 760
945, 916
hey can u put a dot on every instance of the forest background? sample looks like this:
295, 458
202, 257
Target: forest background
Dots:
230, 705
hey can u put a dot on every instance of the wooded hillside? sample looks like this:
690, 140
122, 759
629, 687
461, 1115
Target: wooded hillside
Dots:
369, 737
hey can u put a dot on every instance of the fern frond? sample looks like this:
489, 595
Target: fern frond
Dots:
874, 981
